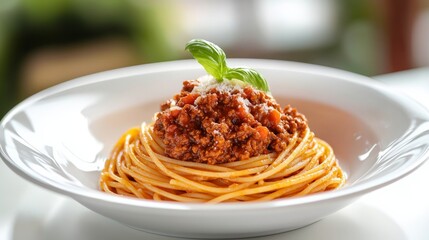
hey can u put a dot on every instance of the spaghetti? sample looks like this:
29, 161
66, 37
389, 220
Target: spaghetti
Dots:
138, 167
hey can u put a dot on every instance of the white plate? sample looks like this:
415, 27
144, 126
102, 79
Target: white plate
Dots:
60, 137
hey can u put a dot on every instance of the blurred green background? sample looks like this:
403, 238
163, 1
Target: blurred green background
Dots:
45, 42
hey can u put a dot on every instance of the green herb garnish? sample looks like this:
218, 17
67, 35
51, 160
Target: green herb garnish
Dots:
213, 59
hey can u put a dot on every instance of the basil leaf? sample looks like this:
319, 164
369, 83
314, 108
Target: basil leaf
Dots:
210, 56
213, 59
248, 75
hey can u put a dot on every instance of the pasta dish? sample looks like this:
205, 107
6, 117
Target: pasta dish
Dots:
221, 139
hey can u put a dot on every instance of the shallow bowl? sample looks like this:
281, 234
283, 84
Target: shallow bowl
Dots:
60, 137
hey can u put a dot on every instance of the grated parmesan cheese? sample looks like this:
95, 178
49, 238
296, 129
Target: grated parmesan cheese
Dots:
208, 82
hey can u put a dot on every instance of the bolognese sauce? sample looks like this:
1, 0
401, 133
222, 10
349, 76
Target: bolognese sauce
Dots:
213, 123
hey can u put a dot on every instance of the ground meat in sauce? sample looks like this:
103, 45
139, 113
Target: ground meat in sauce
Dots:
218, 125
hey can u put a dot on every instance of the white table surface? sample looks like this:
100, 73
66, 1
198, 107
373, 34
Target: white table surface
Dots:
396, 212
